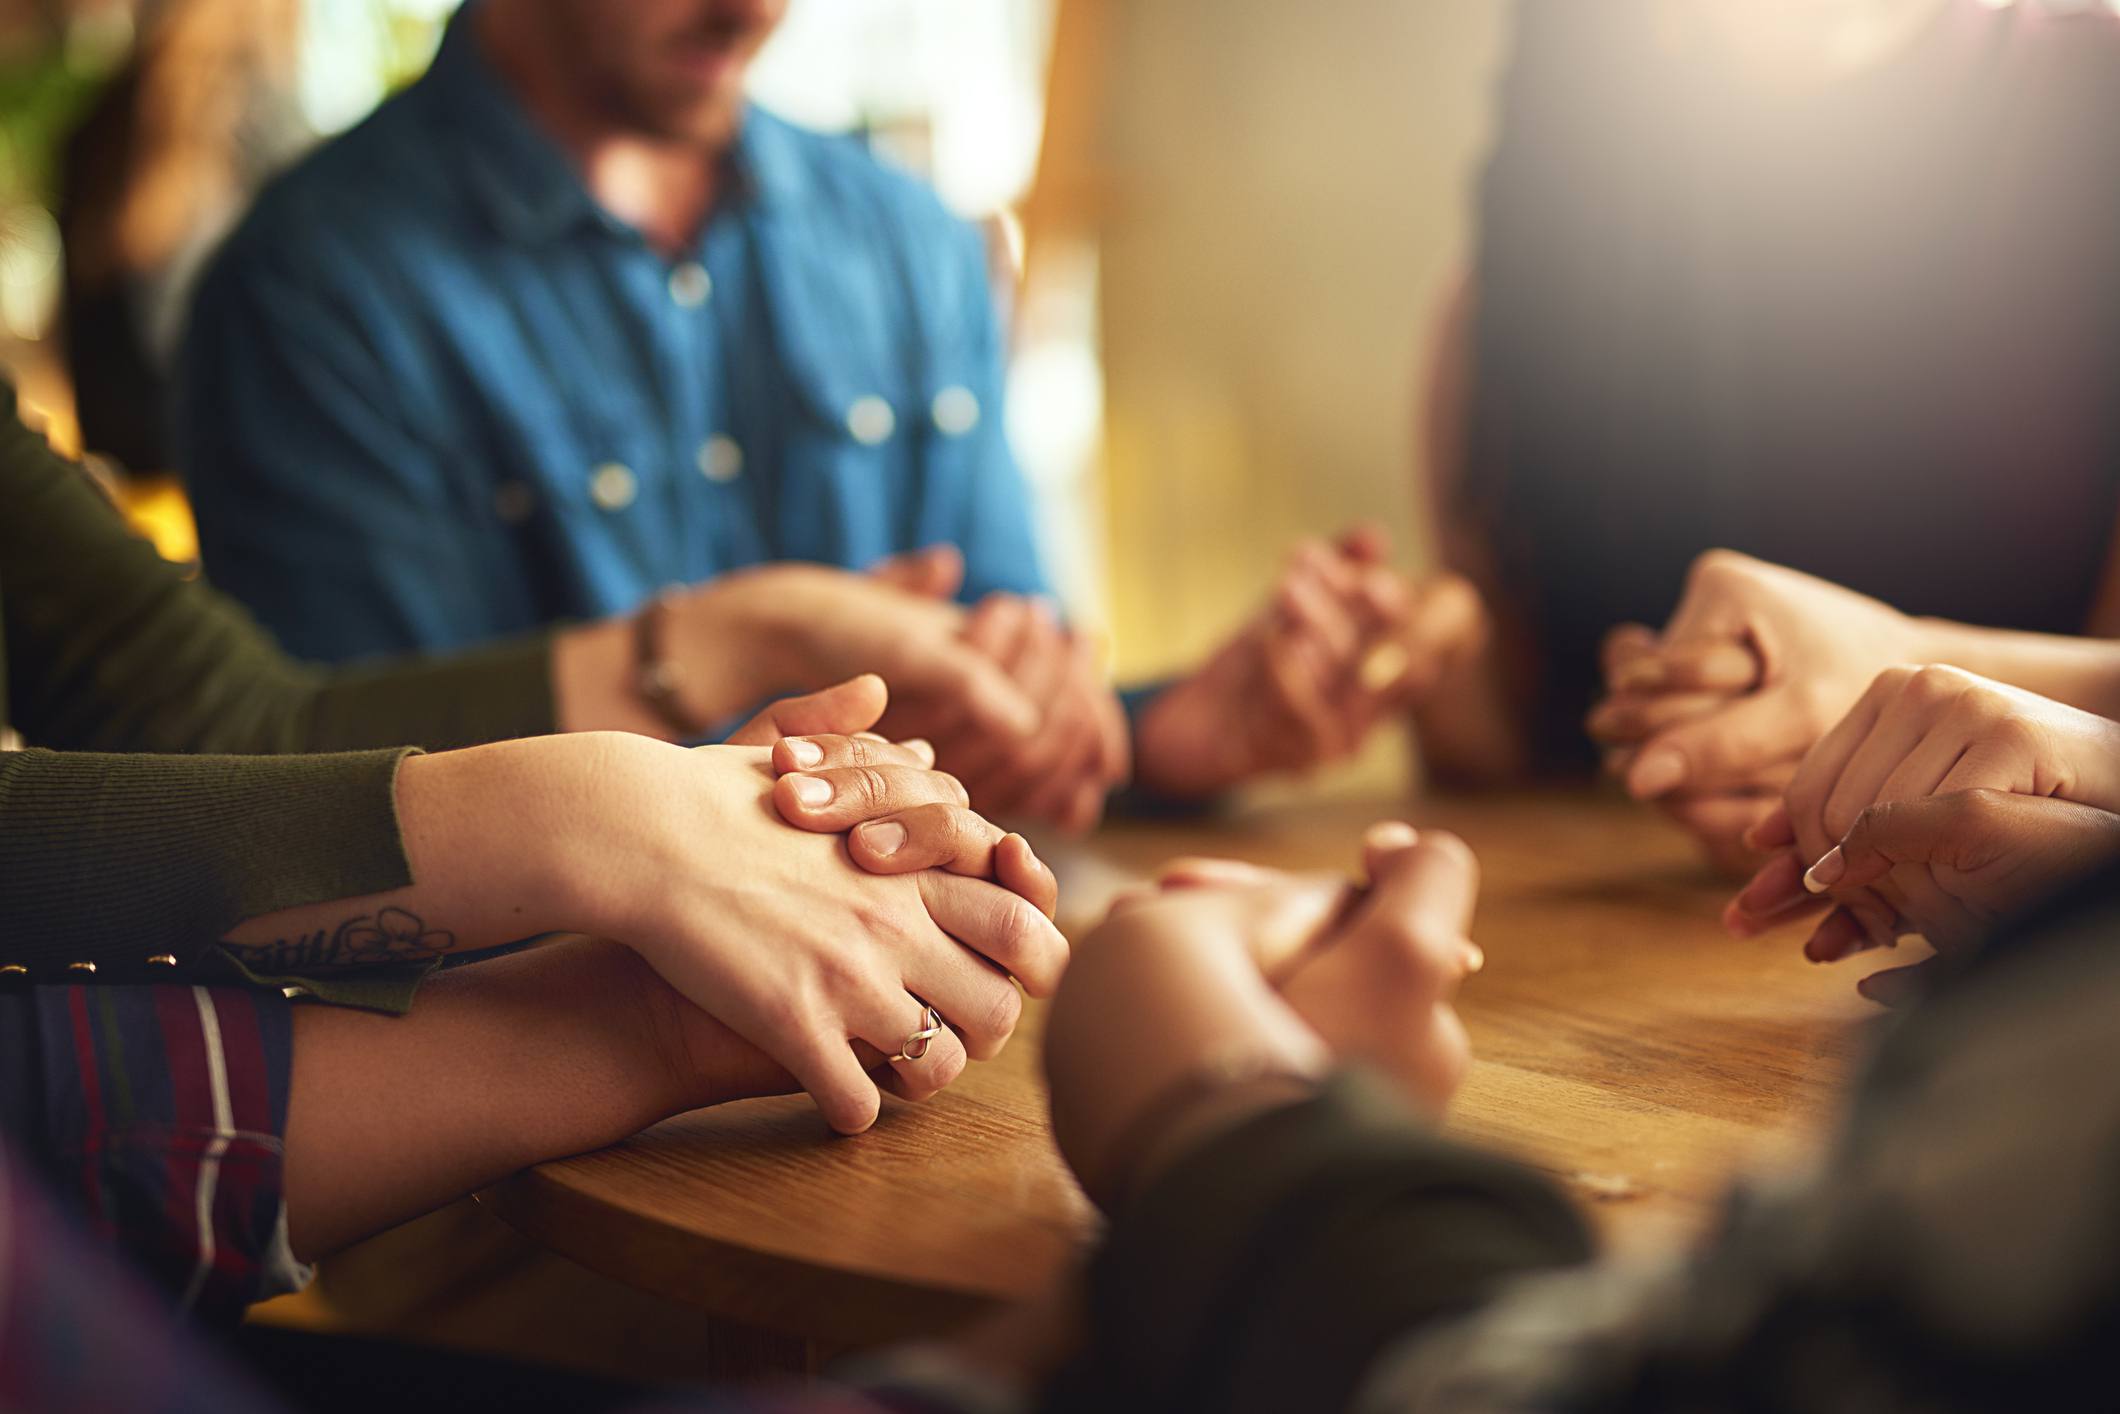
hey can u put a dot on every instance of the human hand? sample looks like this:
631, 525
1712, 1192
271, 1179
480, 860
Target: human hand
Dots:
900, 815
1229, 970
682, 855
786, 628
1919, 732
1710, 716
1943, 866
1344, 644
1081, 750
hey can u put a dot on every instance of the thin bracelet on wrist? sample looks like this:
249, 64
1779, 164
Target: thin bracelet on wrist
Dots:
657, 678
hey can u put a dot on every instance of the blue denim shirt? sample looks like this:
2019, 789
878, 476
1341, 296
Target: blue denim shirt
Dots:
433, 394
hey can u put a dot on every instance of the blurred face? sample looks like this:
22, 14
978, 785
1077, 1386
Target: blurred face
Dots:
670, 69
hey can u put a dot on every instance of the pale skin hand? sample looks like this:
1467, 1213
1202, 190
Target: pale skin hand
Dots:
1183, 976
1710, 717
1917, 733
1229, 965
681, 855
1345, 644
1081, 751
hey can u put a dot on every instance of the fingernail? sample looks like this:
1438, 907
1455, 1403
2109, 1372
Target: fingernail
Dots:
1475, 959
812, 790
920, 746
1826, 872
1390, 834
1657, 771
883, 837
806, 753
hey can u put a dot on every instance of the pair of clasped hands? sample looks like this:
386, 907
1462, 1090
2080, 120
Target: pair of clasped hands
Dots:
1016, 701
806, 973
1782, 719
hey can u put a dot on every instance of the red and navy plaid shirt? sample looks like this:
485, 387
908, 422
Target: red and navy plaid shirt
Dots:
142, 1129
156, 1115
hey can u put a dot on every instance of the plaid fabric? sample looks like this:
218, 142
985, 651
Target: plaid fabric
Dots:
78, 1333
156, 1113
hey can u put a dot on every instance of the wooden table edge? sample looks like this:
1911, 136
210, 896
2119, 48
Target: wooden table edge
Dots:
767, 1290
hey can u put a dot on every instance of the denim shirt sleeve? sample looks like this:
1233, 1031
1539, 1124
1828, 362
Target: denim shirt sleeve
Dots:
322, 503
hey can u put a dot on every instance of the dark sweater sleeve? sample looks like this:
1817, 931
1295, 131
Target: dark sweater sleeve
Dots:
116, 860
111, 648
1269, 1268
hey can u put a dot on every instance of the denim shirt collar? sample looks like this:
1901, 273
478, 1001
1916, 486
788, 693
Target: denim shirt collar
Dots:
527, 185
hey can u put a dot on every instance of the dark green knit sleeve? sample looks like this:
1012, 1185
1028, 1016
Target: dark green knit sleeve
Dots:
111, 648
140, 864
1270, 1267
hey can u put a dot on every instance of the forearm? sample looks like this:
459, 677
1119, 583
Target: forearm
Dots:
483, 834
720, 639
498, 1066
2083, 672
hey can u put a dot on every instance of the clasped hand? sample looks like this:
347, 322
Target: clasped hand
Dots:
823, 967
1225, 969
1940, 802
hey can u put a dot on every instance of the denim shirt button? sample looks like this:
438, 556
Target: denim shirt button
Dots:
955, 410
871, 421
720, 459
513, 501
690, 285
613, 487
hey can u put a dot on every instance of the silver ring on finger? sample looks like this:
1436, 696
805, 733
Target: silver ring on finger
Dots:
916, 1045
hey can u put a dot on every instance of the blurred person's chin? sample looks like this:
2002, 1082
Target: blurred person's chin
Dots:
686, 109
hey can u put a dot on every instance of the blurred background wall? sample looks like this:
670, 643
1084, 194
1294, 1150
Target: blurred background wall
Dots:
1289, 185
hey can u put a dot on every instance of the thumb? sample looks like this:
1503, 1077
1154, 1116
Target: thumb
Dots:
840, 710
933, 572
1422, 885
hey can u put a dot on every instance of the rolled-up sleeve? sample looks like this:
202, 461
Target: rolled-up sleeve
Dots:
157, 1114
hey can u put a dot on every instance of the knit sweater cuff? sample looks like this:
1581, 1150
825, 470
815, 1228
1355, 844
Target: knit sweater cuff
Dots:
118, 859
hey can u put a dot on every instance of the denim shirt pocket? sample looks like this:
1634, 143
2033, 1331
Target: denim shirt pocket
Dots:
585, 492
851, 361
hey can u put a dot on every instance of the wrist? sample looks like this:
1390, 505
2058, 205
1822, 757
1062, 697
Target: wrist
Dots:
724, 647
552, 826
1976, 650
1141, 1017
1176, 754
1219, 1095
2098, 776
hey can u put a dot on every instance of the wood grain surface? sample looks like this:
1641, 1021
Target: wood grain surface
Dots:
1623, 1043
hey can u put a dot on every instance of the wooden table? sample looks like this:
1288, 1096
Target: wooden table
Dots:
1624, 1044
